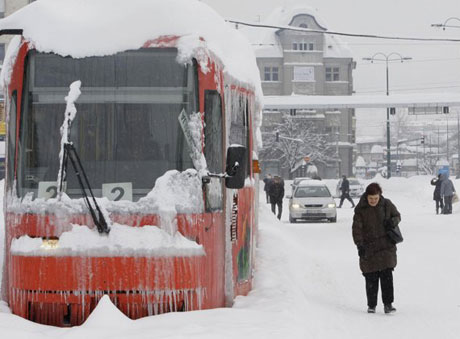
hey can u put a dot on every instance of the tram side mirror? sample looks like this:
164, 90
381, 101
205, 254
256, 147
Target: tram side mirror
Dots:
236, 166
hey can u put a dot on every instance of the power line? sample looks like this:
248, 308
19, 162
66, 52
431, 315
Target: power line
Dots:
408, 89
370, 44
307, 30
414, 61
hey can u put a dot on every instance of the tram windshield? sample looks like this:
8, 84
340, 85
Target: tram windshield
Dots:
126, 130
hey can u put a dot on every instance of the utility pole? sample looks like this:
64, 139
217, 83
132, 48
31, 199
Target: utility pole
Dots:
447, 141
458, 144
387, 58
438, 144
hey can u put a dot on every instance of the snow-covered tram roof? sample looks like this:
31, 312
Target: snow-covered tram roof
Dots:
83, 28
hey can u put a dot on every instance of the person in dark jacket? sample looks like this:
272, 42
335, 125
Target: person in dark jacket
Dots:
276, 193
447, 192
377, 254
267, 180
345, 189
437, 193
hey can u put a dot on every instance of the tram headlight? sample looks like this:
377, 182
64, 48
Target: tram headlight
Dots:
296, 206
50, 243
331, 205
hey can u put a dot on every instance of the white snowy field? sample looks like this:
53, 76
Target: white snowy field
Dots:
308, 284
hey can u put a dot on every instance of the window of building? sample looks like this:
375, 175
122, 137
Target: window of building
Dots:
303, 25
303, 46
332, 74
2, 8
271, 74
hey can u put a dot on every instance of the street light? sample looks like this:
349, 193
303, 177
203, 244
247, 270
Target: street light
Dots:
387, 58
444, 25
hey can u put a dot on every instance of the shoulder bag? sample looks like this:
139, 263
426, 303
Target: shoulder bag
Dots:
393, 232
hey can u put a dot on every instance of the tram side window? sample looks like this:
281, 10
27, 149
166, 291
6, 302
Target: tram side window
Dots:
12, 138
239, 128
213, 147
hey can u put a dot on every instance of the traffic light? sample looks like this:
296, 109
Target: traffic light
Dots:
398, 167
422, 140
392, 110
445, 109
277, 136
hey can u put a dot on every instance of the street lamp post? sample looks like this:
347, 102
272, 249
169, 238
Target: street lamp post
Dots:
444, 25
387, 58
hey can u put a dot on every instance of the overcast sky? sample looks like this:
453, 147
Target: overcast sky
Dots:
435, 66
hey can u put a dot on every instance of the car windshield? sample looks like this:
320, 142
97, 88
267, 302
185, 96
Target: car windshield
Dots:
126, 129
312, 191
354, 182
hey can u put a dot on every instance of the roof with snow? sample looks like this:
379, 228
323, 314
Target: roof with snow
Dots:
442, 162
360, 162
367, 139
266, 42
377, 149
82, 28
360, 101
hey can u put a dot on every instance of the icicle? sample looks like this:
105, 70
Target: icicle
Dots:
69, 115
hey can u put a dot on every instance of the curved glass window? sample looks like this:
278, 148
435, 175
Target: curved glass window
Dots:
126, 129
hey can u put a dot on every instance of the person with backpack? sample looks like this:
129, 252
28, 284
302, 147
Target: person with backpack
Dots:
437, 193
447, 193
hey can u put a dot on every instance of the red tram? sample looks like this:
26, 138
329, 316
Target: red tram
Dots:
127, 134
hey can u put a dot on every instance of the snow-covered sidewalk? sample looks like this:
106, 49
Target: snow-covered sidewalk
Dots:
308, 284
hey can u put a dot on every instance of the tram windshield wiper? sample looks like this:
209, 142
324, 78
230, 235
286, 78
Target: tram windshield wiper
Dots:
71, 153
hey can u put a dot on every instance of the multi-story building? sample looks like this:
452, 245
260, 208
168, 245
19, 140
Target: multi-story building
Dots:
307, 63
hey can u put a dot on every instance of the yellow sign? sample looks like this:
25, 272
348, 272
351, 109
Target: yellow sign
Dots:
2, 128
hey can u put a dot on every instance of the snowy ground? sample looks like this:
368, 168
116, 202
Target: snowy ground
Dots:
308, 284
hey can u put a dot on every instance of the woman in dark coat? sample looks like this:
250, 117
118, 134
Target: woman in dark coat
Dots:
437, 193
377, 254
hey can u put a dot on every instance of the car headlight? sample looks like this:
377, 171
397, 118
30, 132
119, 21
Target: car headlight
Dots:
50, 243
331, 205
295, 206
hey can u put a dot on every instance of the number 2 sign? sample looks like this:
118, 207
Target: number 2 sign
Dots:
118, 191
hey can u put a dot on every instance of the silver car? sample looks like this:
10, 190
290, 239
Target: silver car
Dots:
312, 200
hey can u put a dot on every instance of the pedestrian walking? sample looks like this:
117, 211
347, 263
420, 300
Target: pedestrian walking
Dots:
345, 189
437, 193
374, 214
276, 193
267, 180
447, 193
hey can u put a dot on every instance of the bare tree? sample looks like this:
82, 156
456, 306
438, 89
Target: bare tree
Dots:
294, 138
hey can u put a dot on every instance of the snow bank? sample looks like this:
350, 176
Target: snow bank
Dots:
82, 28
308, 283
105, 313
121, 241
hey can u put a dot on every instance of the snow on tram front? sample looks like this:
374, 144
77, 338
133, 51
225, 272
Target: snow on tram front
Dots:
138, 183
